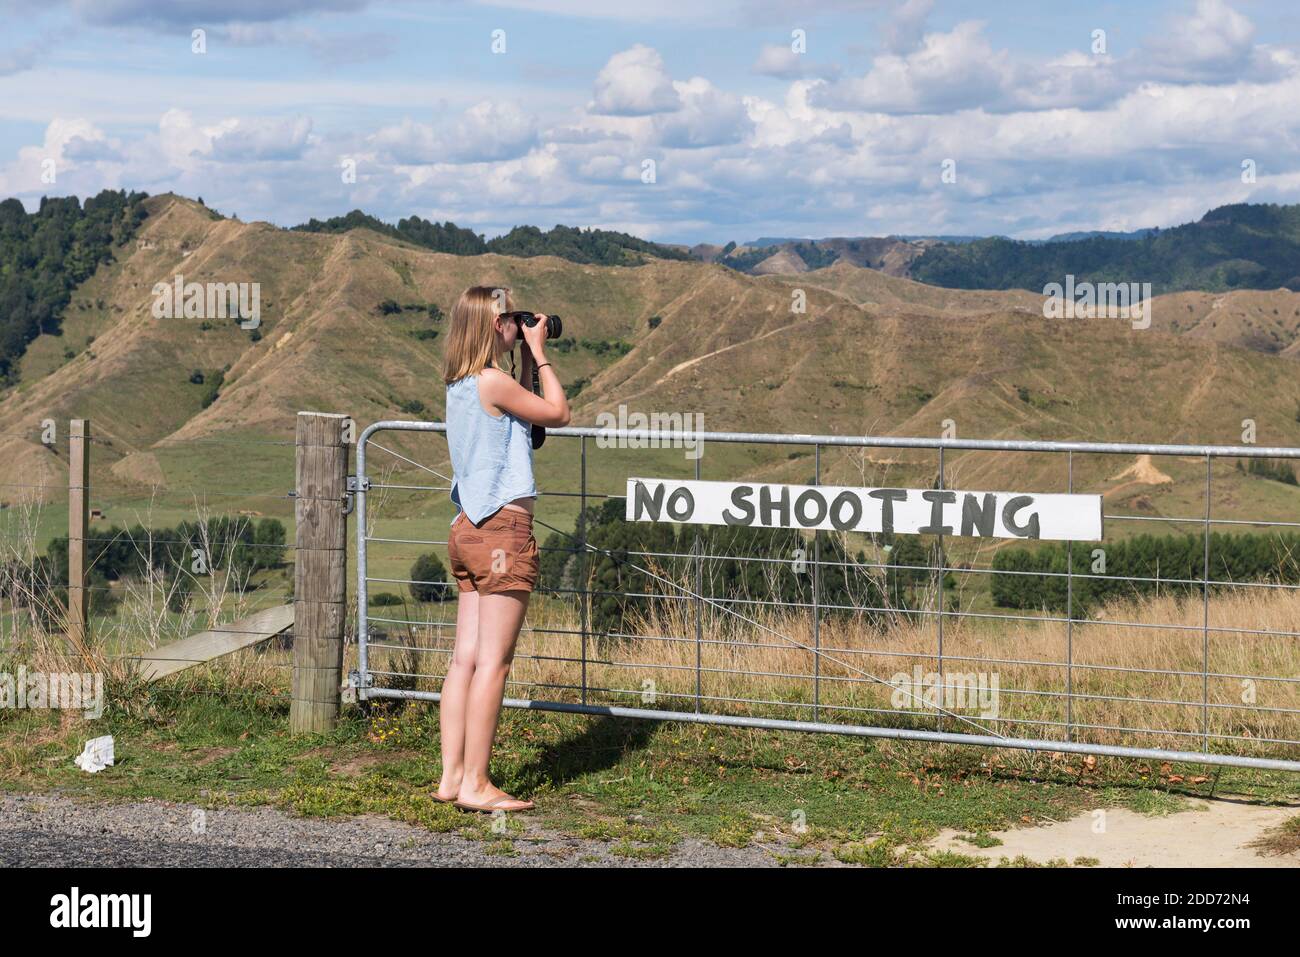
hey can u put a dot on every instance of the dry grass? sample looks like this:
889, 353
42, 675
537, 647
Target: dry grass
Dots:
1143, 673
1136, 666
1281, 840
34, 622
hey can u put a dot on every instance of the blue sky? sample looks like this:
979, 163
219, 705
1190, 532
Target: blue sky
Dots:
1040, 130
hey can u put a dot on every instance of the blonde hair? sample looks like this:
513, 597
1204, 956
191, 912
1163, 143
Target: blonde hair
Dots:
472, 340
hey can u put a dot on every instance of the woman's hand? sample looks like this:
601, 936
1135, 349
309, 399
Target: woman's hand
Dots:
535, 337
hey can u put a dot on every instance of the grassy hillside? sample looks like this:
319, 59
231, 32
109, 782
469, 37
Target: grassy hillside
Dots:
46, 254
871, 354
890, 255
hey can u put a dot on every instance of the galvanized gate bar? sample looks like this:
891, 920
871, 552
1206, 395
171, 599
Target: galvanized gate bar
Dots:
365, 678
906, 734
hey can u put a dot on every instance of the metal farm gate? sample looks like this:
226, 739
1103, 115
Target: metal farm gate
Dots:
1211, 675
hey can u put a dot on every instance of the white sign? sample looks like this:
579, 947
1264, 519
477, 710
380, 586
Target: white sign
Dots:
906, 511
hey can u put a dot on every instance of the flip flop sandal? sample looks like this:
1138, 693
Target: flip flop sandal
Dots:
442, 800
494, 806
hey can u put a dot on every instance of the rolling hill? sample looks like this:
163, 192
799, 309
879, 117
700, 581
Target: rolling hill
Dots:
871, 354
891, 255
1242, 246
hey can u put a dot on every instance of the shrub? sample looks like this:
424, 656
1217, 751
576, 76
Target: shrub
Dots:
429, 581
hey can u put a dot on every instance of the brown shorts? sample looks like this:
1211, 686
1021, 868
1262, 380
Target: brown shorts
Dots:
498, 555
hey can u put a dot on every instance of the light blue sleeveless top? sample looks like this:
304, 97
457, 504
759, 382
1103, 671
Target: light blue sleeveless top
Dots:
491, 457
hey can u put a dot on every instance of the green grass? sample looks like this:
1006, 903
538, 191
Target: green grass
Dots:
639, 787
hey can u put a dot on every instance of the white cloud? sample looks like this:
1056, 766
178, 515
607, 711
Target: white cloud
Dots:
634, 83
182, 142
961, 70
907, 25
708, 117
66, 143
949, 71
779, 61
782, 62
1042, 143
1216, 43
486, 132
262, 139
1214, 36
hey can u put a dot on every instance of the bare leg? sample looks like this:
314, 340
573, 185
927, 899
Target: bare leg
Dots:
455, 693
499, 619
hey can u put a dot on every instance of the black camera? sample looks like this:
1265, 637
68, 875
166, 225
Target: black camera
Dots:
554, 328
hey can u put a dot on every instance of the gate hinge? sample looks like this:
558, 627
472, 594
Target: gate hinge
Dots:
356, 483
353, 688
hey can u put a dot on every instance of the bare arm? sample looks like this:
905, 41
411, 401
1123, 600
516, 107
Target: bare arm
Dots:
550, 409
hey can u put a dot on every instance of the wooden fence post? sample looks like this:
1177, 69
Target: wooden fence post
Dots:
320, 571
78, 518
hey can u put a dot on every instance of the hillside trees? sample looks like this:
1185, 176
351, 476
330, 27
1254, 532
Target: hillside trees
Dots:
590, 246
47, 254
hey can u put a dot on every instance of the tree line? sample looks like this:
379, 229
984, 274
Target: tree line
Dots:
175, 558
45, 255
1169, 564
735, 565
1240, 246
601, 247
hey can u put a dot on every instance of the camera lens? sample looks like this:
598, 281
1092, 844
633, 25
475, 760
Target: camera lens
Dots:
554, 328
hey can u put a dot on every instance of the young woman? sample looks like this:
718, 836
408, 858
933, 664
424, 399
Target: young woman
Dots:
491, 546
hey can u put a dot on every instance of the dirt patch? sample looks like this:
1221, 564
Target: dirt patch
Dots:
357, 765
1141, 503
213, 754
1143, 471
1218, 833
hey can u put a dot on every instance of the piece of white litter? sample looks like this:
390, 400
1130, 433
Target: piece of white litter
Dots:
96, 755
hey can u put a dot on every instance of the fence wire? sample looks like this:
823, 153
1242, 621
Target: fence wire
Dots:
1073, 682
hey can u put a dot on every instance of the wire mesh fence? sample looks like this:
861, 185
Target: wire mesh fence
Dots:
186, 545
1152, 642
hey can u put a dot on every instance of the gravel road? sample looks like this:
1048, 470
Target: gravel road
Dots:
41, 830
